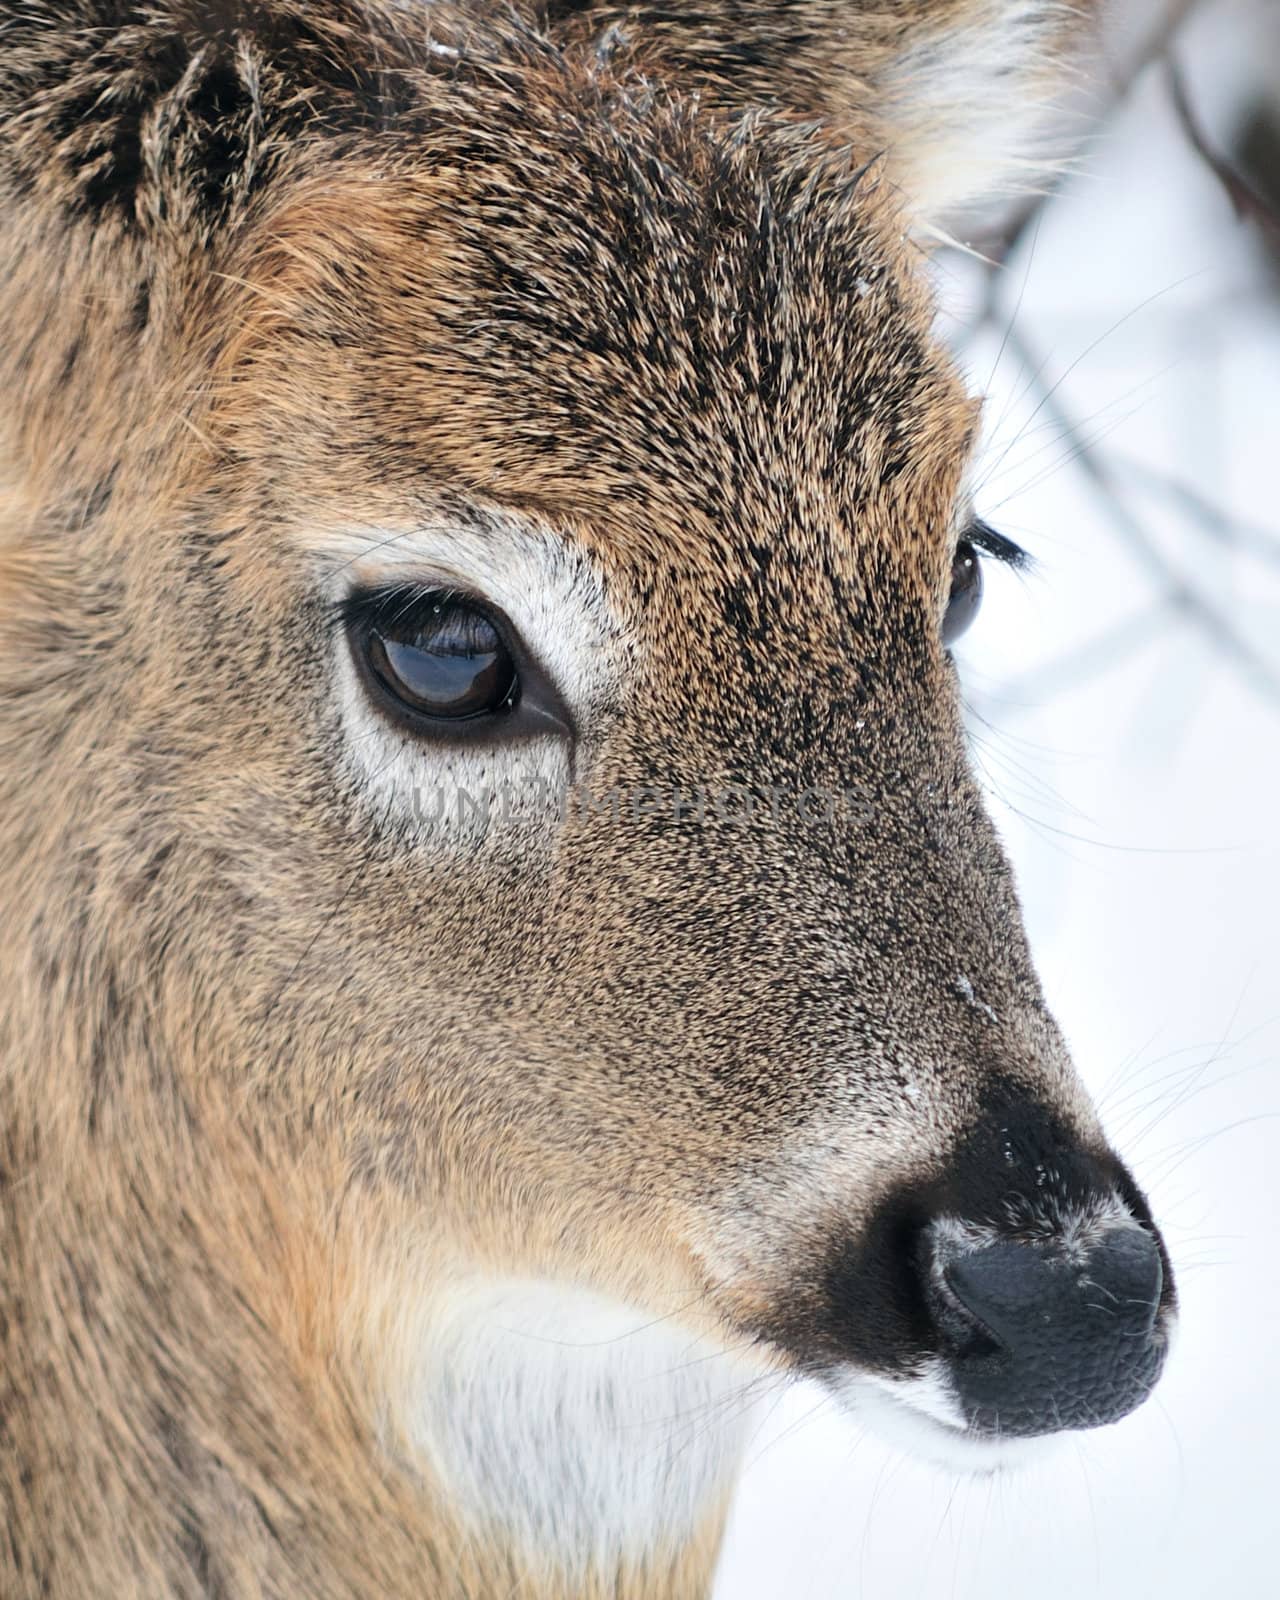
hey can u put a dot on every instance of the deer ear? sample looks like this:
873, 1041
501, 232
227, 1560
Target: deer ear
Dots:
973, 98
175, 111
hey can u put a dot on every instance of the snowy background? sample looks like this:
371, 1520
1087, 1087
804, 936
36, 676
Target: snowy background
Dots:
1125, 702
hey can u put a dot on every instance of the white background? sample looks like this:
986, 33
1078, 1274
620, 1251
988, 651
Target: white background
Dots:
1135, 772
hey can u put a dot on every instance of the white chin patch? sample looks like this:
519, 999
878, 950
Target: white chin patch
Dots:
587, 1434
920, 1415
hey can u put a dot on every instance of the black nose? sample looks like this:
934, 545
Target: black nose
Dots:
1039, 1337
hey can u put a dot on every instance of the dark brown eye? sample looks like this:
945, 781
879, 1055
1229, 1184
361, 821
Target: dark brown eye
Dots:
437, 656
966, 592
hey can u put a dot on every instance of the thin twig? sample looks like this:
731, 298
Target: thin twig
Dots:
1200, 611
1250, 205
1156, 43
1210, 518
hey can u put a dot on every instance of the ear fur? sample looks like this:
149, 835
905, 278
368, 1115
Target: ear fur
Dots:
962, 98
974, 102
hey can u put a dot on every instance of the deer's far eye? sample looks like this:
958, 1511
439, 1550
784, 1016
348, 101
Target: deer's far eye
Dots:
966, 592
435, 657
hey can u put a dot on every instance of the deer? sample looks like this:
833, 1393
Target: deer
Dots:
406, 405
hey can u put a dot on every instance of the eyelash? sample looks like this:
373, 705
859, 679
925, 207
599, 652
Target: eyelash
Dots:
982, 536
388, 604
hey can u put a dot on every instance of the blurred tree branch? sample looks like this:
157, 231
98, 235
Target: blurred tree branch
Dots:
1176, 595
1249, 203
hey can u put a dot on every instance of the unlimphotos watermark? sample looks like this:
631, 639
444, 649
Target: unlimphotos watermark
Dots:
735, 804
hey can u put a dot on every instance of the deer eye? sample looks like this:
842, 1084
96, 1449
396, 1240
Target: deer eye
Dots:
966, 592
433, 656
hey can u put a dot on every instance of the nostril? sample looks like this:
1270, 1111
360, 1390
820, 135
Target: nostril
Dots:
988, 1297
964, 1333
1010, 1289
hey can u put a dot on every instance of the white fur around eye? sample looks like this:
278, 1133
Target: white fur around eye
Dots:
475, 790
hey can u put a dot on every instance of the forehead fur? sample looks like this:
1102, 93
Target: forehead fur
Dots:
550, 287
486, 261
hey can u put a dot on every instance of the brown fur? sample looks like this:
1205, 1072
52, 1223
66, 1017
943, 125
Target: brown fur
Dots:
269, 1072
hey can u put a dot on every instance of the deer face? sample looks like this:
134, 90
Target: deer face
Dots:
557, 777
629, 788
